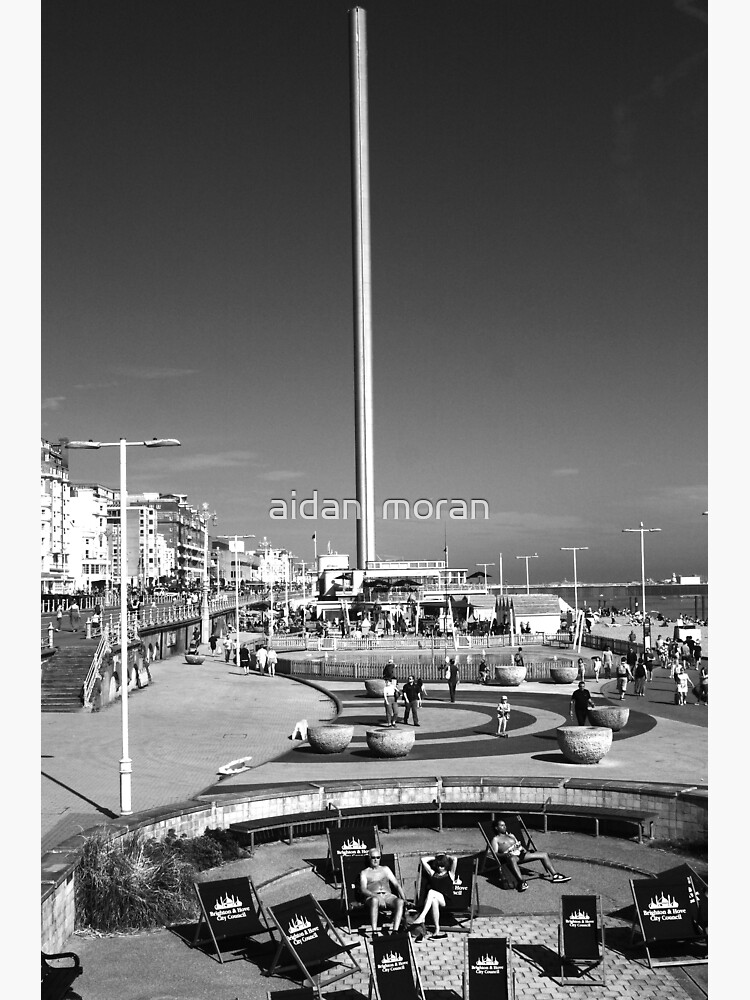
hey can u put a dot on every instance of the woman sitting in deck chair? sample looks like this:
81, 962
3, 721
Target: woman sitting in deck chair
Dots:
440, 871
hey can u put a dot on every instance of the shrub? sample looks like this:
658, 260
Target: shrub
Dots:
230, 848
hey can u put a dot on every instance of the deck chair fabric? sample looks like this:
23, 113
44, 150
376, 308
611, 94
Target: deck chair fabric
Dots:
488, 969
669, 911
351, 869
394, 973
580, 939
311, 940
230, 908
465, 900
348, 842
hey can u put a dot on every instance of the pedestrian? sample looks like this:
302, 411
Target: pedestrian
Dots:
697, 654
623, 676
662, 652
701, 692
649, 661
411, 694
212, 640
390, 701
59, 618
632, 658
640, 674
74, 615
484, 671
581, 675
95, 623
271, 661
389, 670
245, 658
681, 691
596, 665
686, 655
503, 716
227, 648
607, 661
580, 703
261, 656
452, 678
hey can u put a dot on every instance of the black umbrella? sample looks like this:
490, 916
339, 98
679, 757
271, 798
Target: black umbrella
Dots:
479, 573
406, 582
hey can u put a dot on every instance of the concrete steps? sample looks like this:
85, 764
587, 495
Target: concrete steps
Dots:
62, 679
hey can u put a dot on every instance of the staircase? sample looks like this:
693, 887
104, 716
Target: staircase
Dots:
63, 676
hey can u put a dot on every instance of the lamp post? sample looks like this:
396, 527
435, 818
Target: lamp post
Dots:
237, 551
205, 625
642, 531
535, 556
500, 567
574, 549
485, 571
126, 764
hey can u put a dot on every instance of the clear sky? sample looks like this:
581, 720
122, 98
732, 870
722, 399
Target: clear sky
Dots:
539, 261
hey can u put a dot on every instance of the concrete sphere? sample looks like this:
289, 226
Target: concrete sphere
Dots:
330, 739
611, 716
510, 676
563, 675
584, 744
390, 742
374, 687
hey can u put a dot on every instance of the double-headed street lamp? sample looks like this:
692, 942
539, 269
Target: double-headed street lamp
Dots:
535, 556
237, 551
642, 532
126, 765
205, 624
574, 549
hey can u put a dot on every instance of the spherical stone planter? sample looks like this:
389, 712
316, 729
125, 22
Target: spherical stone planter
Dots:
584, 744
390, 742
563, 675
192, 658
509, 676
611, 716
330, 739
374, 687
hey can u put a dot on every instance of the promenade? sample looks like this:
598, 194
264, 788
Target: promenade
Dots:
193, 719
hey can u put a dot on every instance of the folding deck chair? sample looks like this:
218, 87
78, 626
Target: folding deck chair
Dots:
671, 910
465, 903
230, 908
348, 842
516, 826
394, 973
351, 898
580, 941
311, 939
488, 969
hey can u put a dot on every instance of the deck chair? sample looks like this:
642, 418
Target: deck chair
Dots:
580, 941
488, 969
230, 908
668, 911
311, 939
465, 904
518, 828
351, 900
348, 842
394, 973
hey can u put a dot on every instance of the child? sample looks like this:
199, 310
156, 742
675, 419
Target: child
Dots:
503, 714
596, 663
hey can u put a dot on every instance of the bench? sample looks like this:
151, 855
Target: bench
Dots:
637, 818
57, 980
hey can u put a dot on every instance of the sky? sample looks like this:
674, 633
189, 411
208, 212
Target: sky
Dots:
539, 215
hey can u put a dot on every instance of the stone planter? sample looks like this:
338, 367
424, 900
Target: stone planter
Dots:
374, 687
611, 716
192, 658
563, 675
390, 742
584, 744
330, 739
509, 676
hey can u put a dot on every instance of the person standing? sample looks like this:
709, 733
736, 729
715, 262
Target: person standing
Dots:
74, 614
212, 640
245, 658
681, 692
389, 670
452, 678
607, 660
580, 702
596, 665
411, 695
640, 674
227, 648
271, 662
503, 717
261, 655
390, 699
581, 675
624, 674
59, 618
518, 658
686, 655
649, 659
632, 658
697, 654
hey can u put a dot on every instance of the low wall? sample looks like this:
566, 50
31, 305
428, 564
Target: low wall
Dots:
682, 813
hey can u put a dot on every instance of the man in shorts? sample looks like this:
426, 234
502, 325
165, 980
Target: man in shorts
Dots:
380, 890
512, 854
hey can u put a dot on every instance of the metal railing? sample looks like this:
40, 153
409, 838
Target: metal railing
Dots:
431, 673
94, 670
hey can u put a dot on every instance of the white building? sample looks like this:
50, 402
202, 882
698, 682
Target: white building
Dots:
55, 491
90, 536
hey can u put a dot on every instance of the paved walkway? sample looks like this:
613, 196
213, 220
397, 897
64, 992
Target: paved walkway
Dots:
191, 720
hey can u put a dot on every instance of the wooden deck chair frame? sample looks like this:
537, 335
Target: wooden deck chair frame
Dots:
232, 929
520, 831
311, 980
692, 904
387, 942
585, 965
350, 894
470, 910
477, 943
368, 830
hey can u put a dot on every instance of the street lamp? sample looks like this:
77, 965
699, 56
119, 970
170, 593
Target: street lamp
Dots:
574, 549
205, 625
485, 571
642, 532
535, 556
126, 764
237, 551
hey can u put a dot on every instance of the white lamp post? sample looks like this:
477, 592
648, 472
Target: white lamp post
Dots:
126, 765
237, 551
485, 571
205, 626
574, 549
535, 556
642, 532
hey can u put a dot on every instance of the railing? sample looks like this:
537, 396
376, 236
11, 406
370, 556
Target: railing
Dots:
375, 643
431, 673
93, 674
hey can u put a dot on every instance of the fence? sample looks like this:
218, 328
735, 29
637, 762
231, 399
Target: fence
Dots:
431, 673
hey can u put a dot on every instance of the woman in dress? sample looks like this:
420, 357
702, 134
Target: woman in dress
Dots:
640, 674
439, 872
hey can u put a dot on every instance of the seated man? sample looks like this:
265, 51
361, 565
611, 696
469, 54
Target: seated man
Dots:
375, 884
439, 872
512, 854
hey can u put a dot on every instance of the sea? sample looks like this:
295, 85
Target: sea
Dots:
671, 605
